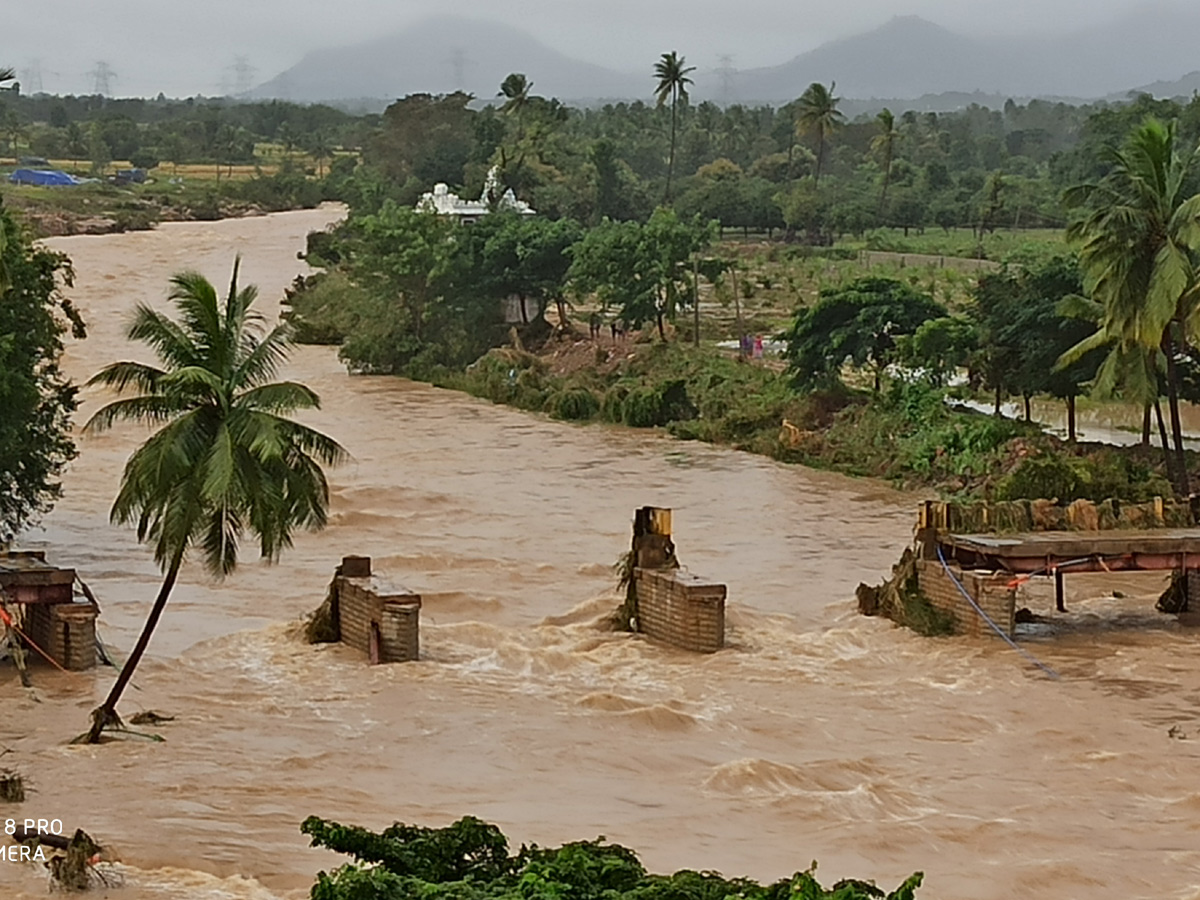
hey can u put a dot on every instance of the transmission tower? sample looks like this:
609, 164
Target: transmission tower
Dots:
102, 78
31, 77
458, 65
243, 75
726, 72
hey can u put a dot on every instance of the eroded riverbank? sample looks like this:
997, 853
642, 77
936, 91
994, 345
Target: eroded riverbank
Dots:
816, 735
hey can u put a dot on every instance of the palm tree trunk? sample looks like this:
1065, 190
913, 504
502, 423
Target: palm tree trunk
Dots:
1176, 425
106, 714
1071, 418
820, 157
1168, 460
737, 308
696, 298
887, 178
1146, 425
671, 158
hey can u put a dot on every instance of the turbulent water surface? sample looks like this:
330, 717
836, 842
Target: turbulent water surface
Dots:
816, 735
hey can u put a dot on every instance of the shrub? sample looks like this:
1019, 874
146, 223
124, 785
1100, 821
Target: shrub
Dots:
469, 860
613, 402
576, 404
642, 408
1099, 476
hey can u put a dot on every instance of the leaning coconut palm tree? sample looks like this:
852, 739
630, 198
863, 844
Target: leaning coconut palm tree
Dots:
672, 75
817, 113
226, 458
1138, 237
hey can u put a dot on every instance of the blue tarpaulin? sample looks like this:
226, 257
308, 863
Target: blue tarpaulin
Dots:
43, 177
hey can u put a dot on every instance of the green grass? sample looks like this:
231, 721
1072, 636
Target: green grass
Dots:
960, 242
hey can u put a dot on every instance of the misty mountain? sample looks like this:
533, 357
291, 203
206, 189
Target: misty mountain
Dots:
444, 54
1183, 87
910, 57
905, 59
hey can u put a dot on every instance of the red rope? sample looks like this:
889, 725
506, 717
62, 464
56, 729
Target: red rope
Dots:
7, 619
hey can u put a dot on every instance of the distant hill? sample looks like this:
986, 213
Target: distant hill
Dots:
444, 54
911, 57
906, 58
1182, 87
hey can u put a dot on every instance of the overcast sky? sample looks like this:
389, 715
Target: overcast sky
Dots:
186, 48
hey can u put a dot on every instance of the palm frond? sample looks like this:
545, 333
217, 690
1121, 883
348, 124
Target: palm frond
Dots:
171, 343
149, 409
120, 376
279, 397
261, 358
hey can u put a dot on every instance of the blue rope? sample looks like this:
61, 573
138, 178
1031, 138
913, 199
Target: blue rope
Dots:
996, 628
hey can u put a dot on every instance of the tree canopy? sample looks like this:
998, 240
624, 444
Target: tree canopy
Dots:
857, 324
36, 398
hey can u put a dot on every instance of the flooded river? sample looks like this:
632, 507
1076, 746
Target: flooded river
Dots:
816, 735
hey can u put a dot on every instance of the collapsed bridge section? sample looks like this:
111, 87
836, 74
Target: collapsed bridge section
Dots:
968, 560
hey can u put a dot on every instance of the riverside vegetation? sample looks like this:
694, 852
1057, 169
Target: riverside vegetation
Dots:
470, 860
873, 360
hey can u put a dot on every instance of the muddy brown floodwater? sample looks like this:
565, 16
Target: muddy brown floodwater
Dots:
816, 735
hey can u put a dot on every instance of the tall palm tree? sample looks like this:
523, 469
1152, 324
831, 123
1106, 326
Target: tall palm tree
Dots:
226, 459
884, 144
672, 75
1137, 237
515, 91
817, 114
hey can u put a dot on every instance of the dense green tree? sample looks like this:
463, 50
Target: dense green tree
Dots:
672, 74
939, 347
401, 257
426, 136
643, 270
858, 324
226, 458
528, 257
1023, 332
37, 400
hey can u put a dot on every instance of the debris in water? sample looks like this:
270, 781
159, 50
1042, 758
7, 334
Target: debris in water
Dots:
1174, 599
150, 717
323, 626
1176, 732
12, 786
75, 868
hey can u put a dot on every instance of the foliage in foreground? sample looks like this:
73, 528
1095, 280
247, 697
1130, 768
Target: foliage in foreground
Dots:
470, 860
36, 400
